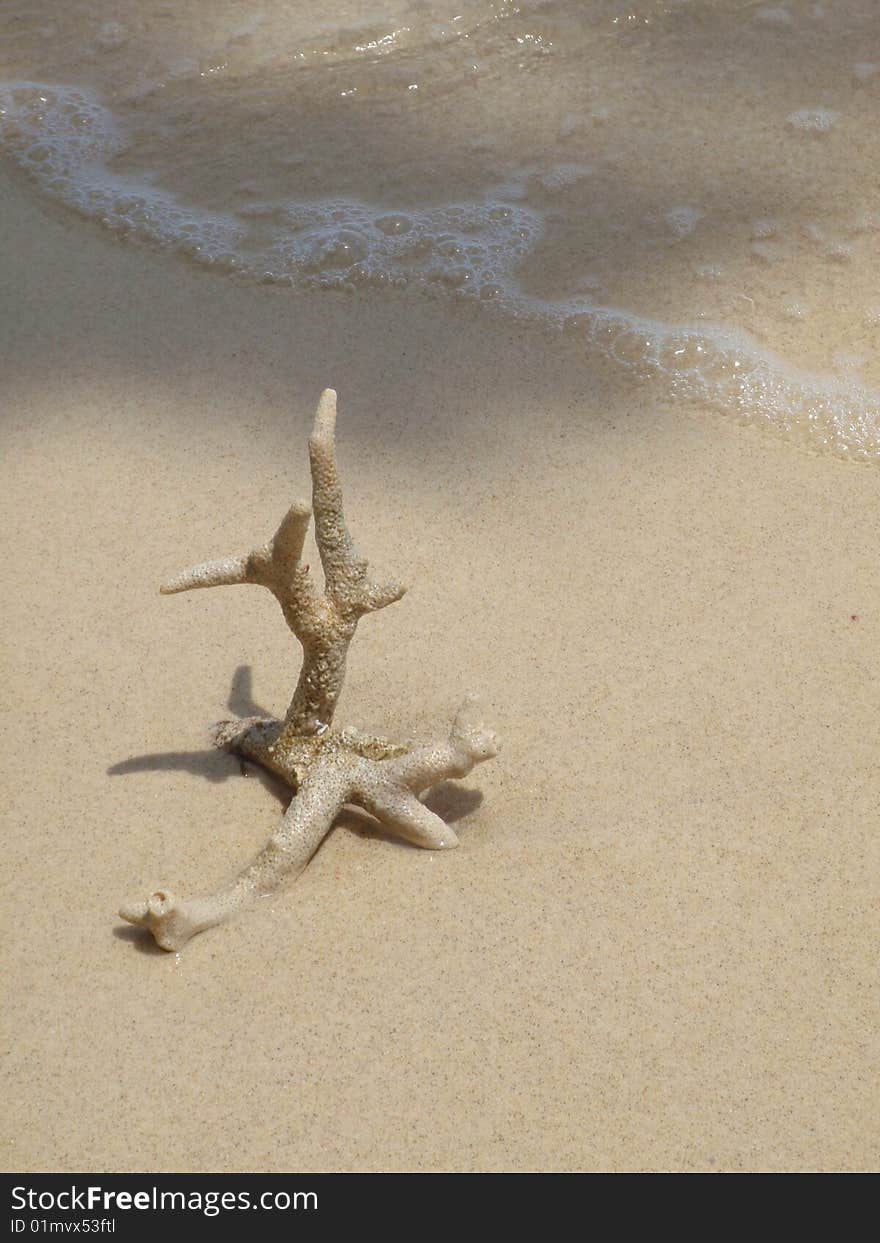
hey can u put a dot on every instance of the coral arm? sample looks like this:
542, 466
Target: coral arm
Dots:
336, 775
343, 566
402, 812
286, 545
470, 742
345, 570
174, 921
220, 573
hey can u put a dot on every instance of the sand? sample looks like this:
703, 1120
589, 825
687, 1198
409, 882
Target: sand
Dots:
655, 947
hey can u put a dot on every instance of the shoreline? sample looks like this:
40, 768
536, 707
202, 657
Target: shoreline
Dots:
653, 946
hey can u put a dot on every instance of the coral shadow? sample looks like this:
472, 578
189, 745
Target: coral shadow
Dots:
141, 939
212, 764
453, 802
448, 800
241, 694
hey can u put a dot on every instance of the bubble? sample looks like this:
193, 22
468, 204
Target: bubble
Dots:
337, 249
449, 248
683, 220
420, 246
452, 278
358, 275
394, 226
633, 349
813, 120
725, 368
683, 352
604, 332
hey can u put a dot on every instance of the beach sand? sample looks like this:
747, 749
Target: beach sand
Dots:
655, 947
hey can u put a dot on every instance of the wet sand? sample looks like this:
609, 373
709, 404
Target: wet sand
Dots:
655, 947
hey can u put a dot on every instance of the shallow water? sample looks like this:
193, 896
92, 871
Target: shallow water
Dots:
688, 186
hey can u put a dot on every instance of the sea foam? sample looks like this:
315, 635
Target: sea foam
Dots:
68, 142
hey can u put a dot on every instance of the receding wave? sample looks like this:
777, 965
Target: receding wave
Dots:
68, 141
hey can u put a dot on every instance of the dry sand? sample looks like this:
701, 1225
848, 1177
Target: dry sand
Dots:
655, 948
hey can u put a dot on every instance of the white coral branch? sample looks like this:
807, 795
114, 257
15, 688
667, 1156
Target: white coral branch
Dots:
387, 788
325, 622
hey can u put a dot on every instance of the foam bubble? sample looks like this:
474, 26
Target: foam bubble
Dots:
449, 245
813, 120
729, 371
683, 220
65, 139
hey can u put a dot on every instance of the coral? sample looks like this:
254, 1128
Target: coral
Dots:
326, 767
323, 623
